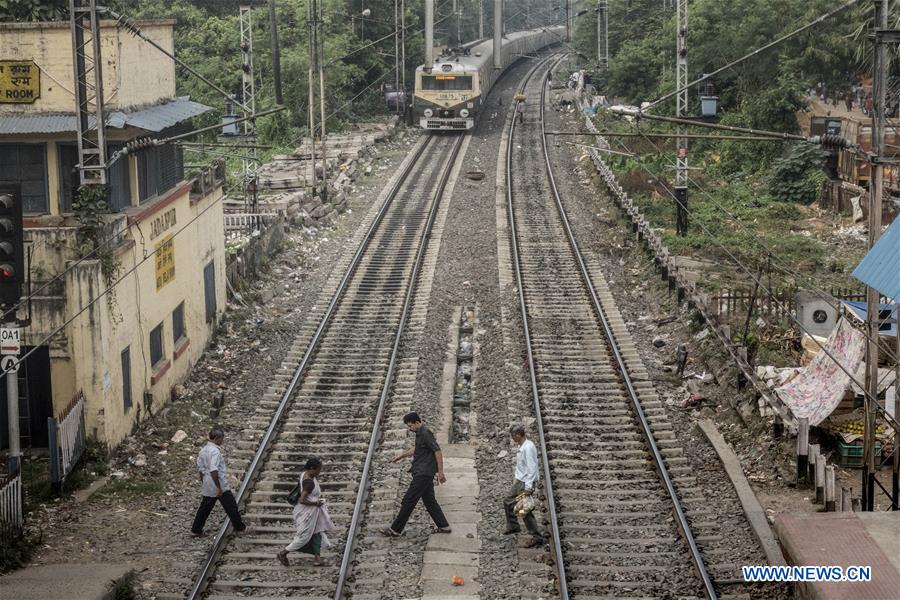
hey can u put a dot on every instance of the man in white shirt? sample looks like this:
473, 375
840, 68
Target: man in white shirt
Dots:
214, 485
526, 477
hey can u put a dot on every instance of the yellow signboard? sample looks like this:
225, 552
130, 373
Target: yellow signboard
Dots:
165, 262
20, 82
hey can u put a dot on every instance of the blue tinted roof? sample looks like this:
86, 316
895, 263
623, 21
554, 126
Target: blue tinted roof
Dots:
880, 268
153, 118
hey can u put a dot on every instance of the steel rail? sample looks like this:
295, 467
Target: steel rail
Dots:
363, 490
262, 451
620, 364
551, 501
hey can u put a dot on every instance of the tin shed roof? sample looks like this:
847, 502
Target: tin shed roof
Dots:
153, 118
880, 268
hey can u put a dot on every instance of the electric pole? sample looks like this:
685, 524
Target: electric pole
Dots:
876, 189
681, 106
311, 110
397, 95
320, 62
248, 98
429, 36
498, 33
480, 19
603, 34
568, 20
84, 22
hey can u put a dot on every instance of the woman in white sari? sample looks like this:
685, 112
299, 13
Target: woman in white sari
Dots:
311, 518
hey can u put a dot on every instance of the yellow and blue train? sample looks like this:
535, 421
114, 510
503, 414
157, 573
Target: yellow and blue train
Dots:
449, 97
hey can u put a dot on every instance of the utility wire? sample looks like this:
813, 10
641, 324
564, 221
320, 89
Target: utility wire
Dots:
757, 281
772, 256
821, 19
111, 286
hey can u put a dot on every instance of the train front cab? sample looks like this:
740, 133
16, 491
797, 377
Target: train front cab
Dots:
447, 101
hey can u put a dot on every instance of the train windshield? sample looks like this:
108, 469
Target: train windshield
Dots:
446, 82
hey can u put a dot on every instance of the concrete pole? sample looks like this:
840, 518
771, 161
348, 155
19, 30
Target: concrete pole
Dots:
498, 33
802, 451
813, 457
845, 500
876, 189
429, 35
569, 20
829, 489
820, 479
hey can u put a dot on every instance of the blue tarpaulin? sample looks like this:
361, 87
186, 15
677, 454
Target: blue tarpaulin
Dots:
880, 269
887, 314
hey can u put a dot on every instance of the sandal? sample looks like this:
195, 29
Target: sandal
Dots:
388, 532
282, 558
441, 530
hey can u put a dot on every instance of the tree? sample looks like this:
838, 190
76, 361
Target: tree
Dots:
31, 10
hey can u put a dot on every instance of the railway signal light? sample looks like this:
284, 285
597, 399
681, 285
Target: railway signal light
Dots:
12, 259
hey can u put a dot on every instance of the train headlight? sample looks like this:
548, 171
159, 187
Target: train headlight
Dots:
427, 112
464, 113
470, 105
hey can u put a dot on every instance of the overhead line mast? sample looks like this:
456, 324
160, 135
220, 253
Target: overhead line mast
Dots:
681, 107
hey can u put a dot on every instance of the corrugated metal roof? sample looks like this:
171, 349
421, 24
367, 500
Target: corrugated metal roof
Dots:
880, 268
153, 118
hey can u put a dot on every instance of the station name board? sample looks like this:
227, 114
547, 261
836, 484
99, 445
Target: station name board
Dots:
20, 82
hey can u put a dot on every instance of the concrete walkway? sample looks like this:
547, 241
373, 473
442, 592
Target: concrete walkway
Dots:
456, 553
69, 581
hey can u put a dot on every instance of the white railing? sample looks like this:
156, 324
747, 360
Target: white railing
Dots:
11, 518
240, 224
67, 435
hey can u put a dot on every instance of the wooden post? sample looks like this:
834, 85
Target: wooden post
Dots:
803, 452
829, 489
741, 380
845, 500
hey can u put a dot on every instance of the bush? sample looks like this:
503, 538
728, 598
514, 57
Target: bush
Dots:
799, 176
15, 552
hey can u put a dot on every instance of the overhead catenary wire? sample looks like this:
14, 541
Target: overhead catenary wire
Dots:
757, 281
111, 286
775, 259
787, 36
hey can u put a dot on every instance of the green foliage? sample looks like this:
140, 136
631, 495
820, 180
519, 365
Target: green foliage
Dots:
91, 204
798, 177
17, 11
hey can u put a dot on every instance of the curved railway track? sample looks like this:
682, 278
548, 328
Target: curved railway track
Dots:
335, 399
610, 459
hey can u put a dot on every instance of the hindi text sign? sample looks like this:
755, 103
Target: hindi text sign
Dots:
20, 82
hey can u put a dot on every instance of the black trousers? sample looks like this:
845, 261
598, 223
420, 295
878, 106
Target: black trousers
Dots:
228, 503
421, 486
512, 520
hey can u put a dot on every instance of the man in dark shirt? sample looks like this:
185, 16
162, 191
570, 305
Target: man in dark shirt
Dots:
427, 462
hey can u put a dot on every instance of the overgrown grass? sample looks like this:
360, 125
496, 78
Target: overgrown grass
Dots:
15, 552
124, 588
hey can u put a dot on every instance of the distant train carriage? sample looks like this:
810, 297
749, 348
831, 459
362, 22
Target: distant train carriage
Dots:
451, 94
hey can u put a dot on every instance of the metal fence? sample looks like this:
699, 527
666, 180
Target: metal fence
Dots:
242, 224
780, 303
67, 436
11, 517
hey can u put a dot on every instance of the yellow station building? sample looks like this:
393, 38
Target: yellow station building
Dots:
124, 345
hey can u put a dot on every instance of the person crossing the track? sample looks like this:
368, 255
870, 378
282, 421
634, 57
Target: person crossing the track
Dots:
427, 465
525, 479
520, 110
311, 518
214, 485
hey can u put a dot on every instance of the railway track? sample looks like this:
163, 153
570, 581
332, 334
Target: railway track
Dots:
334, 399
611, 461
